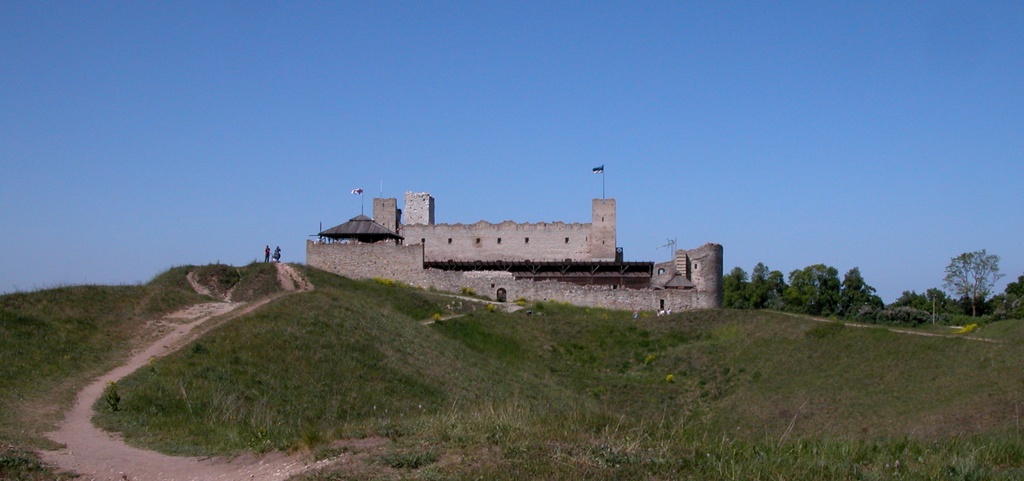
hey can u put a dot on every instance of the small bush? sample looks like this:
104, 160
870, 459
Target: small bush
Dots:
409, 459
467, 291
111, 397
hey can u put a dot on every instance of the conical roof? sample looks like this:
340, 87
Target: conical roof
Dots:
361, 228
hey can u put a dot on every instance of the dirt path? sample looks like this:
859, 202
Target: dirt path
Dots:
291, 280
892, 329
100, 456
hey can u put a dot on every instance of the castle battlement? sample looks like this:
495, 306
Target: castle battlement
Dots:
573, 262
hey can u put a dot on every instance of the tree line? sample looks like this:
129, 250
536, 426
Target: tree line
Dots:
818, 291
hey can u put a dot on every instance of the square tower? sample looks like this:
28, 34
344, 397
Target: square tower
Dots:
419, 208
602, 230
386, 213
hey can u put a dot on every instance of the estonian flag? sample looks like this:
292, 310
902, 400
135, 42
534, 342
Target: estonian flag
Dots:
599, 170
357, 191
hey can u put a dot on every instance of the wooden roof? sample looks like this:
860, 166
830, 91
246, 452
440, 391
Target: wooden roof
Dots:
360, 228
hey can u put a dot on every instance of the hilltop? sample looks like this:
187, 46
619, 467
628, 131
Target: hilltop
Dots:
379, 381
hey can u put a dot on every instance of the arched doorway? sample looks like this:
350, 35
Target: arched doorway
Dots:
501, 295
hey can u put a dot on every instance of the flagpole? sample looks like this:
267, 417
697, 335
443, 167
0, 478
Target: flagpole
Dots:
362, 203
600, 170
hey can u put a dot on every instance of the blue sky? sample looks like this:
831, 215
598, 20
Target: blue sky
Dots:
137, 136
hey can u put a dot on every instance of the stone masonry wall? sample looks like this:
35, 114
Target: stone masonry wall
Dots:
603, 228
404, 263
555, 241
419, 208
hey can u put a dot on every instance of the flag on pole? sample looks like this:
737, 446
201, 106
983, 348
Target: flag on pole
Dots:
599, 170
357, 191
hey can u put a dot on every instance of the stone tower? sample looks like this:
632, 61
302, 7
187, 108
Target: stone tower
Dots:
705, 266
386, 213
602, 233
419, 208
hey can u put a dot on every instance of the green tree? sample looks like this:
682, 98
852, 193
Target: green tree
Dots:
971, 276
775, 289
759, 290
814, 290
735, 290
1011, 302
766, 288
912, 299
1016, 288
855, 295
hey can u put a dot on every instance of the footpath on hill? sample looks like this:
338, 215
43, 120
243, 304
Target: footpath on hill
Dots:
98, 455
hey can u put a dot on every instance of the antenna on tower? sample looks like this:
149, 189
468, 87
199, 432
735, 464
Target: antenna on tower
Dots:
672, 249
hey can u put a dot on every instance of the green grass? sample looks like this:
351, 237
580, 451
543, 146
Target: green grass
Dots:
573, 393
53, 341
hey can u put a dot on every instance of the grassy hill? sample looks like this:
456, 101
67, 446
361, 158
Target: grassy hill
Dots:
565, 393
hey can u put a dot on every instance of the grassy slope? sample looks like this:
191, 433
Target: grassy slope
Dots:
573, 392
575, 389
52, 342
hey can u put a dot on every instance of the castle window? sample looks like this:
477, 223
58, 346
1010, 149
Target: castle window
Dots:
566, 240
527, 240
477, 240
449, 240
423, 241
499, 240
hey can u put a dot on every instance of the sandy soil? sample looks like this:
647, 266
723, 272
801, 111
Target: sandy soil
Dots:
99, 455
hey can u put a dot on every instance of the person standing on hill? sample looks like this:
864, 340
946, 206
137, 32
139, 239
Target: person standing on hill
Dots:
277, 254
266, 254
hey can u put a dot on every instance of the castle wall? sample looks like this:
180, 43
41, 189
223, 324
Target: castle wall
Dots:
404, 263
511, 241
362, 261
555, 241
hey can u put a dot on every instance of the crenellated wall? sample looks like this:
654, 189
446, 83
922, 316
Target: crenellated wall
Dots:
510, 241
405, 264
555, 241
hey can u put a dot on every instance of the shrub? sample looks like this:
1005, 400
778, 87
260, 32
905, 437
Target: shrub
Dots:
409, 459
111, 397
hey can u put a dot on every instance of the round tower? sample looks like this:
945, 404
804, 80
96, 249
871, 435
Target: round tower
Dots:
706, 267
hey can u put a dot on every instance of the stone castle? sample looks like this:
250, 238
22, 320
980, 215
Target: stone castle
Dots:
578, 263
